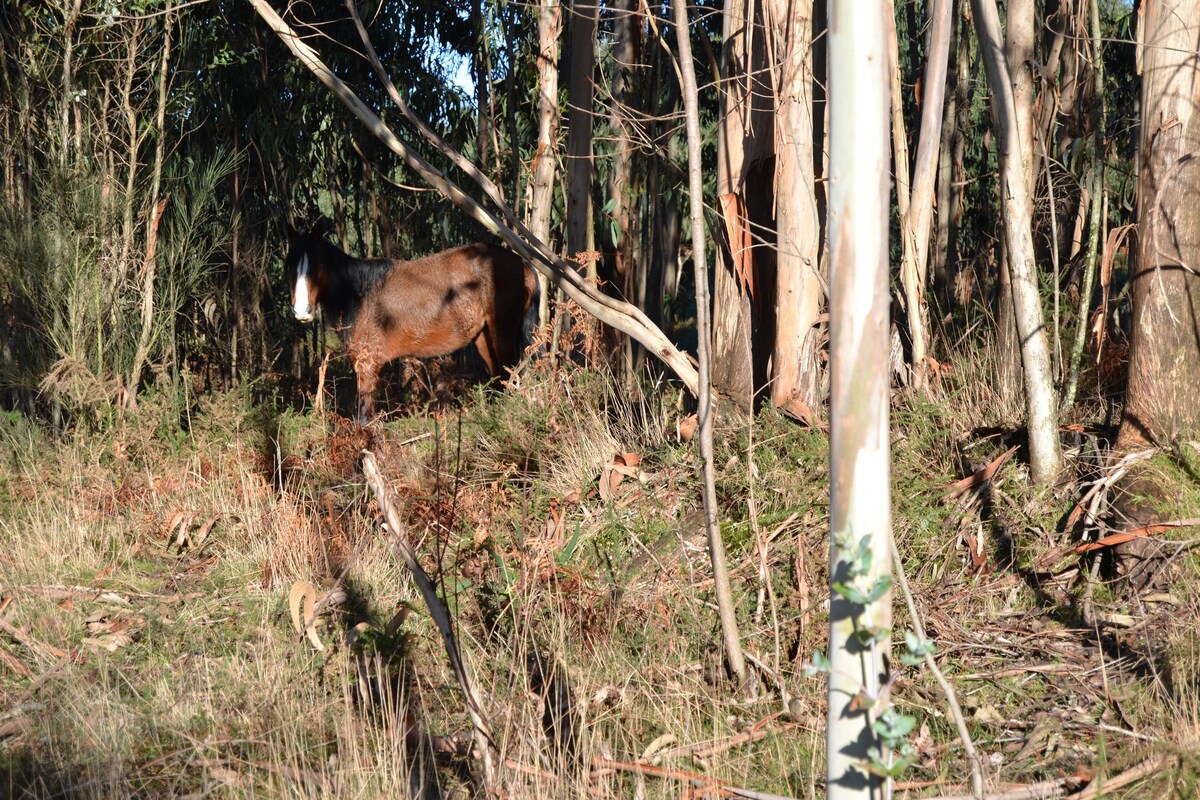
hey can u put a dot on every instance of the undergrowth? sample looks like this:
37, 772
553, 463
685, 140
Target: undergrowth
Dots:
147, 647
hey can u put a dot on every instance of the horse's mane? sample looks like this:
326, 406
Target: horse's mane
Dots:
351, 279
361, 275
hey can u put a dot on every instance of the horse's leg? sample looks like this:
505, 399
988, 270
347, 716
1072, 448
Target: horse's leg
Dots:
367, 373
364, 359
486, 344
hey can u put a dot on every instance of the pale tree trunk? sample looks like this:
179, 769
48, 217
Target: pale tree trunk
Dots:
795, 364
133, 144
744, 137
1164, 359
860, 498
1041, 409
716, 546
1019, 54
624, 228
625, 31
68, 80
914, 227
483, 116
584, 15
150, 265
1018, 49
544, 162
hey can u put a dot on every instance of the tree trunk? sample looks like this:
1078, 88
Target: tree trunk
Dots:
150, 265
1164, 359
1018, 49
716, 546
860, 499
1045, 454
545, 160
68, 79
744, 138
915, 227
133, 143
944, 231
580, 169
624, 54
483, 116
795, 365
623, 230
1019, 55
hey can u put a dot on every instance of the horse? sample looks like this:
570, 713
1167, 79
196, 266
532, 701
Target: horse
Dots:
387, 308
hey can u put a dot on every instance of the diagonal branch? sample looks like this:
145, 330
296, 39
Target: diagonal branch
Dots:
398, 533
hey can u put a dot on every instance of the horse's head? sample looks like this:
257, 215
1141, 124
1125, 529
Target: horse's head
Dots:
304, 267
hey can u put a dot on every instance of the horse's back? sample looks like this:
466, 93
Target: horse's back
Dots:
493, 275
434, 305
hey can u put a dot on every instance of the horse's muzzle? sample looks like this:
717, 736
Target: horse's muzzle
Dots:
303, 316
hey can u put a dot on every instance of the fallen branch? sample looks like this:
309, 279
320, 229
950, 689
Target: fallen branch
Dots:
1137, 533
1092, 498
960, 722
1044, 790
759, 730
703, 782
398, 533
979, 478
38, 648
1098, 786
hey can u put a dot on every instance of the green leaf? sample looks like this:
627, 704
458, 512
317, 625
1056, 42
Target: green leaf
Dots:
819, 665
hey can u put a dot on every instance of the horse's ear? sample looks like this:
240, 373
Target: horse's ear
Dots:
292, 233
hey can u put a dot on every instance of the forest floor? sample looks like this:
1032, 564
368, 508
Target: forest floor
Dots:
147, 646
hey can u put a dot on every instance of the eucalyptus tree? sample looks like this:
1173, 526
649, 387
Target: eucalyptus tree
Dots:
1164, 361
795, 360
1041, 408
859, 474
745, 176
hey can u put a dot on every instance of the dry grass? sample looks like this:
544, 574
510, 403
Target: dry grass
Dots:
136, 661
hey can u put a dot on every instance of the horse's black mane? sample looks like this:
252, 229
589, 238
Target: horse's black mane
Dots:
350, 280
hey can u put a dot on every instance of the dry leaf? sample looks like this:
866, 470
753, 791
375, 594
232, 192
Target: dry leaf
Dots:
302, 601
658, 744
173, 524
800, 411
114, 599
205, 529
987, 713
109, 642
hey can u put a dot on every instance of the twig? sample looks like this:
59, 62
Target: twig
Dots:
727, 611
964, 735
1044, 790
39, 648
705, 782
438, 613
1098, 786
759, 730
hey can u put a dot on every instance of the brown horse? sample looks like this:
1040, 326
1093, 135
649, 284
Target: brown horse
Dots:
387, 309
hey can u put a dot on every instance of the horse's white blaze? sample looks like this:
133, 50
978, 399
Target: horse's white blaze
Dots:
301, 306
